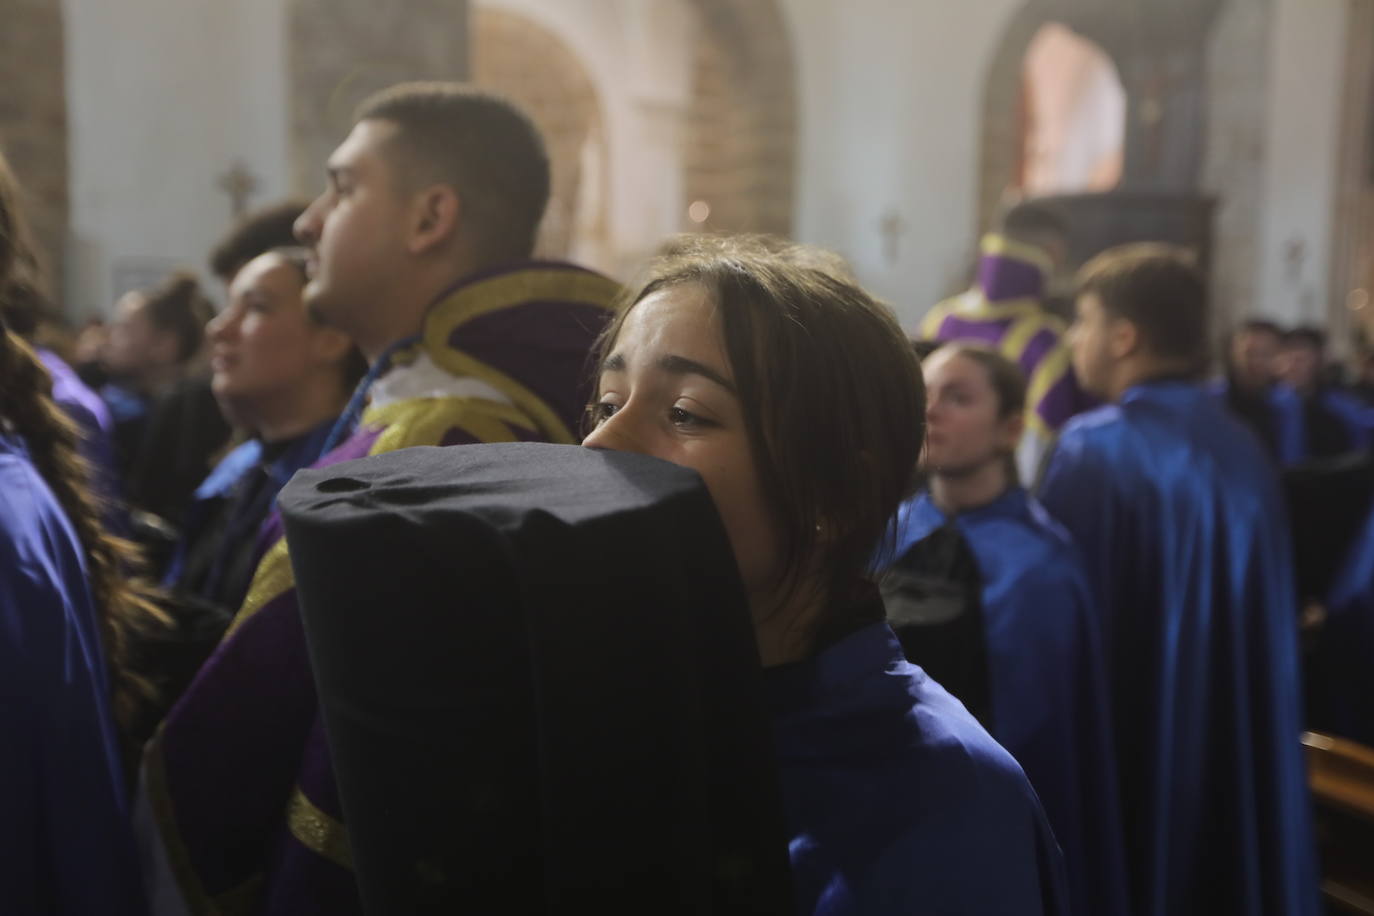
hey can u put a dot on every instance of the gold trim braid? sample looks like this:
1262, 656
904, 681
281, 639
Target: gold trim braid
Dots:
274, 577
317, 831
504, 291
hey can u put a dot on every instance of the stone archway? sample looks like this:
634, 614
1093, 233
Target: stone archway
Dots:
33, 122
343, 50
527, 63
741, 153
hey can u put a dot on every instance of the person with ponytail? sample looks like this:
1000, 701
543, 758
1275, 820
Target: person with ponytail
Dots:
989, 596
66, 612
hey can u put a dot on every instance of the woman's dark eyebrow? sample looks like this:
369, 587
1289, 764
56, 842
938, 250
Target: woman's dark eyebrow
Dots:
681, 365
674, 365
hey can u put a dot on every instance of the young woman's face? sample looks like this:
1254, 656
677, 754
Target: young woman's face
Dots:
264, 344
963, 429
667, 390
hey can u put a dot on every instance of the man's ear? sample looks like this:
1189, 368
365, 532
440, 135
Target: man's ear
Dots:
1123, 338
436, 212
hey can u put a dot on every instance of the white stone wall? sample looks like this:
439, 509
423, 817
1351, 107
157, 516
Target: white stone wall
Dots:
1307, 52
162, 96
890, 106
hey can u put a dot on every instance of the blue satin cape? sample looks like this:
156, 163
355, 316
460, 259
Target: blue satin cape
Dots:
1177, 512
897, 801
66, 845
1048, 696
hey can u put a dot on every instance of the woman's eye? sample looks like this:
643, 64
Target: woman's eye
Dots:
682, 417
603, 411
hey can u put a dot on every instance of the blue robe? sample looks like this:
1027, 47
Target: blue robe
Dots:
242, 527
896, 799
66, 845
1046, 678
1351, 413
1178, 515
1280, 424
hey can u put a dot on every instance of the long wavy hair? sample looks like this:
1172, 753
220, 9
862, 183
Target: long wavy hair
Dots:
124, 605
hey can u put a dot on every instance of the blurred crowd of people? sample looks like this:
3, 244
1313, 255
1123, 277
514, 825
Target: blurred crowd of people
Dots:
1035, 615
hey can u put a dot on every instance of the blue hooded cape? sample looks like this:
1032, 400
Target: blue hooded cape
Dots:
66, 845
1047, 684
897, 801
1178, 515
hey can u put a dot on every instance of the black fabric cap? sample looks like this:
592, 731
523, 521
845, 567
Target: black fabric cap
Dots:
540, 684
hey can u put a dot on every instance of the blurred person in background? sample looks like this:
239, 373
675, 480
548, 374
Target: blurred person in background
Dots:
1005, 310
1181, 524
1252, 390
1334, 421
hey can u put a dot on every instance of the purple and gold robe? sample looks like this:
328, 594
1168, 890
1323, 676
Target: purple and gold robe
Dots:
240, 811
1003, 311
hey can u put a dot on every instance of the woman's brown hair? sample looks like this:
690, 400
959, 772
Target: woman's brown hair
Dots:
830, 390
26, 408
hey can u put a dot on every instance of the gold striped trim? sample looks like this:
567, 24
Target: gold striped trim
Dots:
425, 421
545, 418
1019, 335
317, 831
535, 284
1001, 246
1051, 369
272, 579
505, 291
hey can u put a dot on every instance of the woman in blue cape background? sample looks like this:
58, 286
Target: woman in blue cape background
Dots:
988, 594
66, 846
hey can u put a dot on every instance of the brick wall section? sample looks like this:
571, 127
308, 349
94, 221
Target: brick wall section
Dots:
530, 65
340, 51
33, 117
741, 153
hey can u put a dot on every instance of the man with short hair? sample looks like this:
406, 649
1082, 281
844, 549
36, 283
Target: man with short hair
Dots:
1252, 390
1333, 422
1005, 310
1180, 519
420, 250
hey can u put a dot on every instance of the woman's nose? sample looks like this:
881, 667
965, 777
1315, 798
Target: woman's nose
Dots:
618, 434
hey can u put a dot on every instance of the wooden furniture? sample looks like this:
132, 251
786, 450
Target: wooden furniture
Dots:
1341, 774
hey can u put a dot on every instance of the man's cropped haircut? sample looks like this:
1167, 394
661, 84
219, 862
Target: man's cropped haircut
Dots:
1158, 289
481, 145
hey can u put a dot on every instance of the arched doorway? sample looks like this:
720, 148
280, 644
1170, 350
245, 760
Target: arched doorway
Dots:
741, 153
529, 64
1073, 116
341, 51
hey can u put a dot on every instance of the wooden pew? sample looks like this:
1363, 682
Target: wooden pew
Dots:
1341, 774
